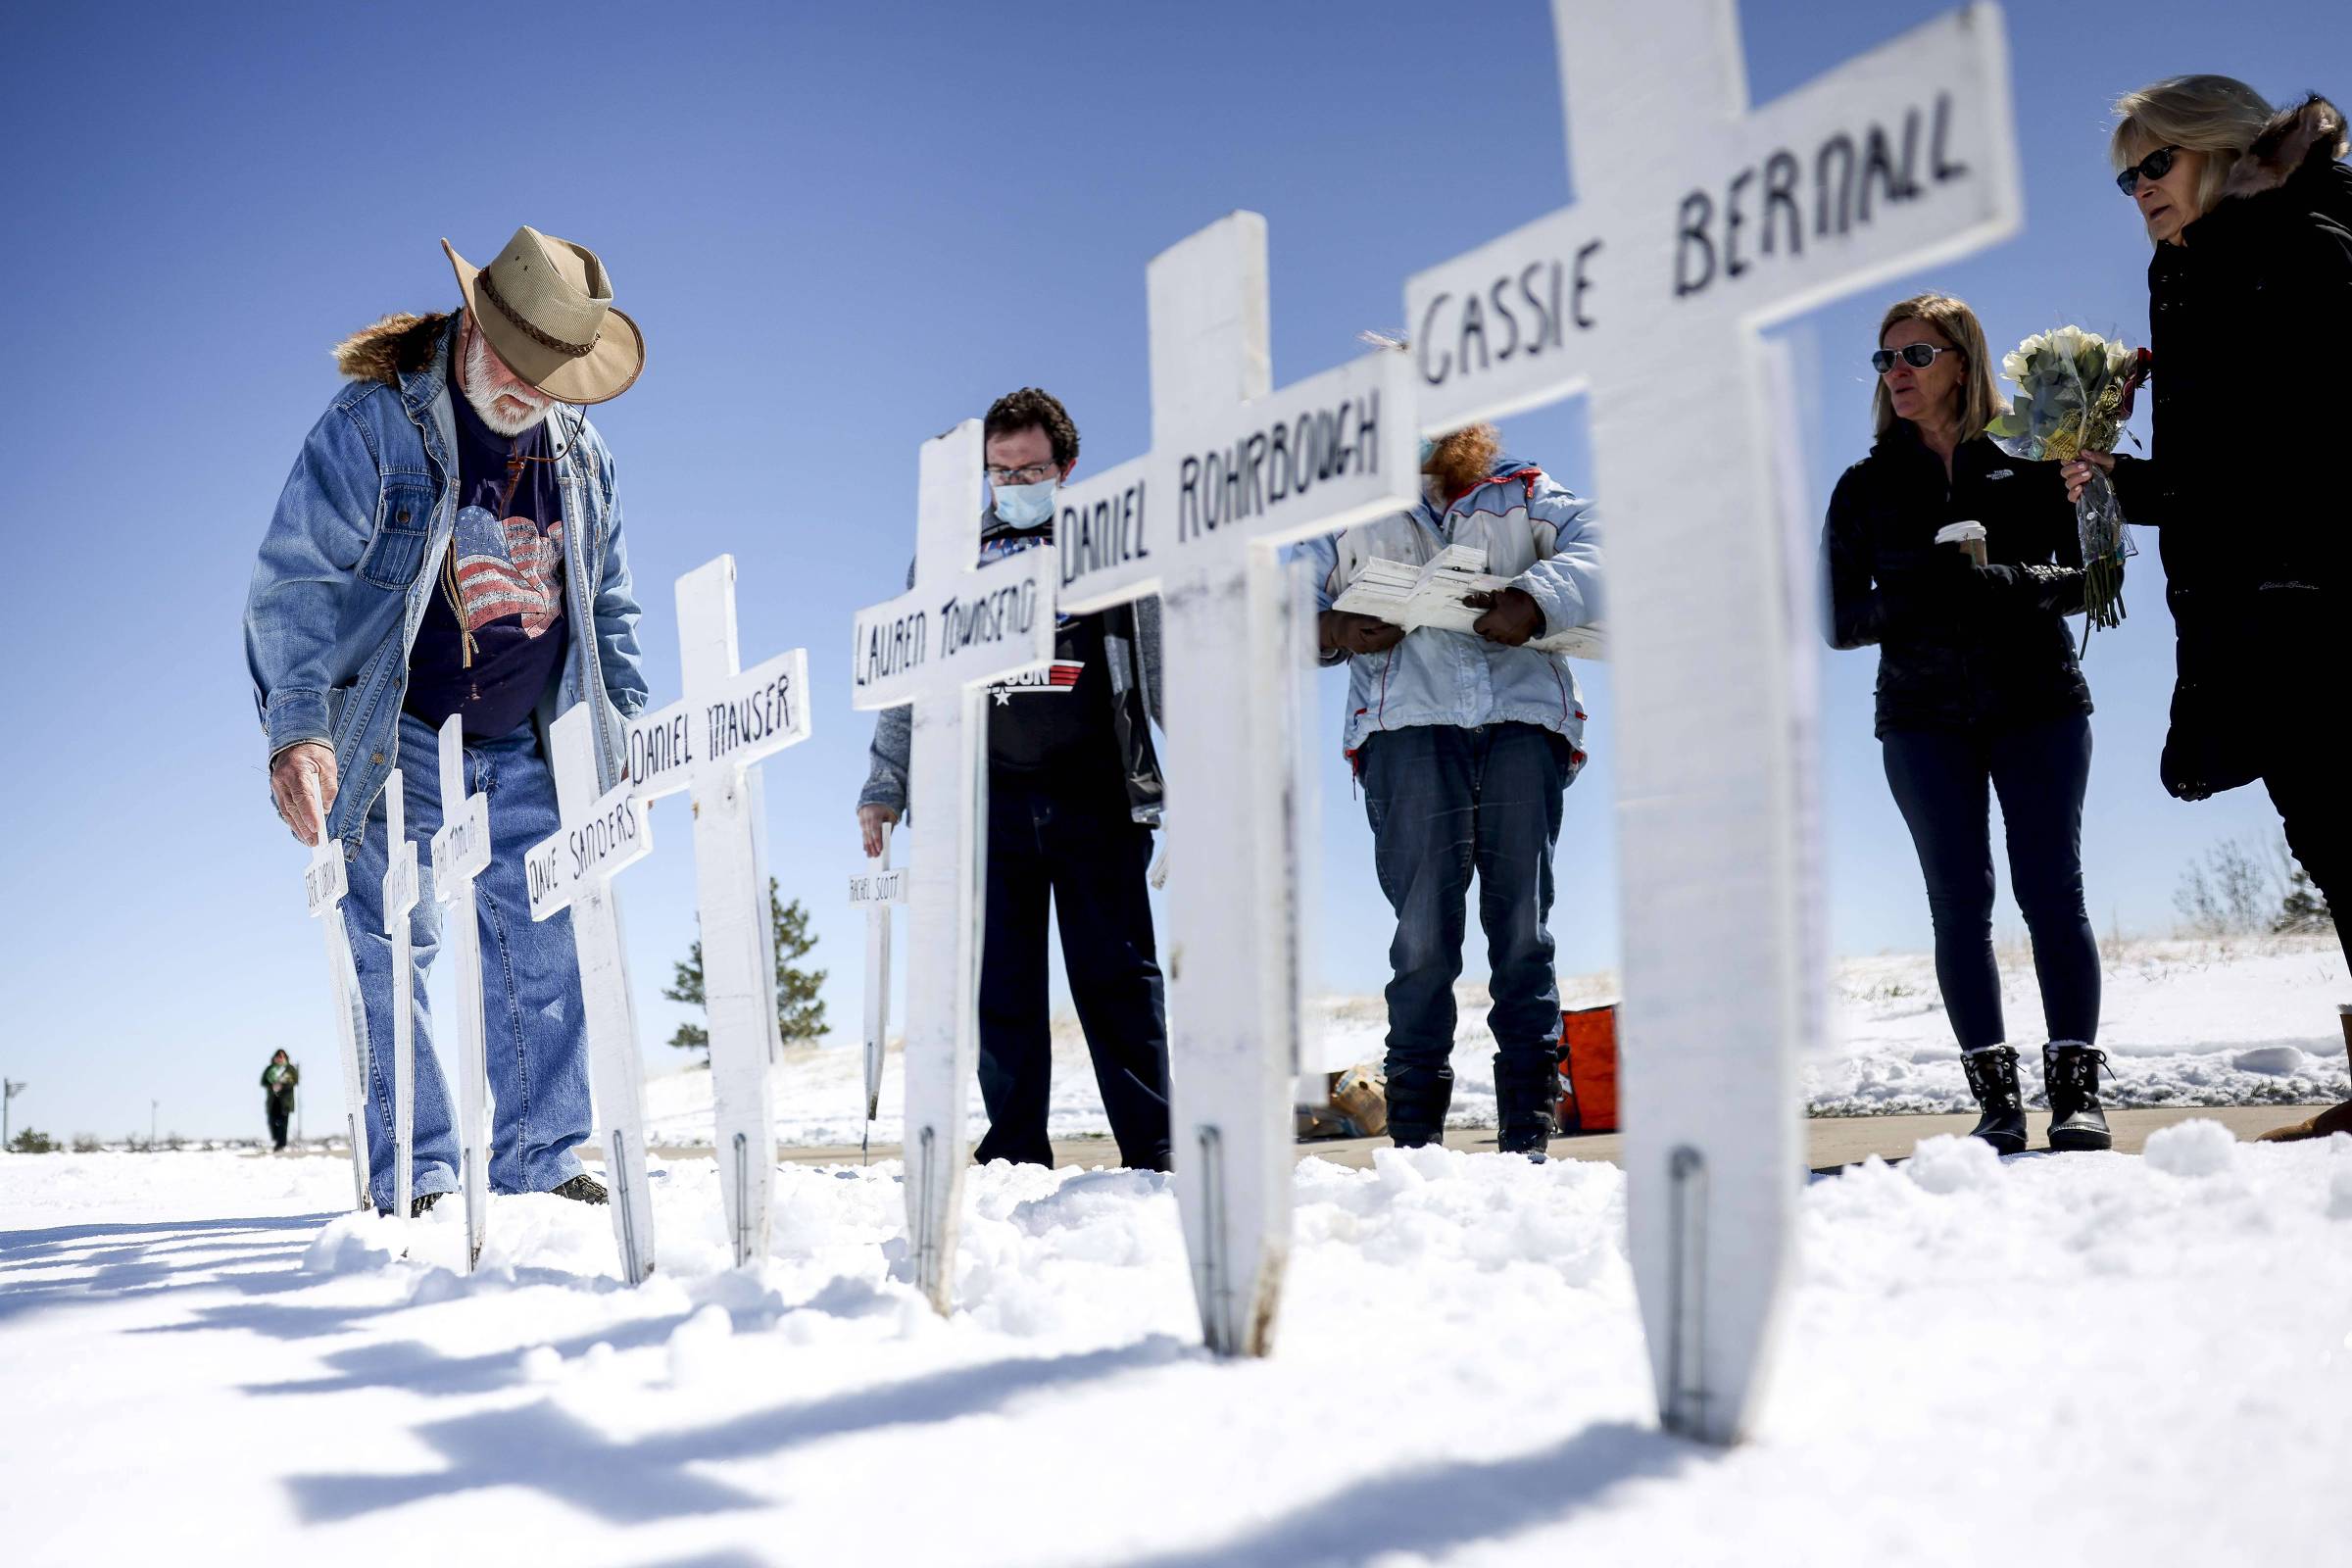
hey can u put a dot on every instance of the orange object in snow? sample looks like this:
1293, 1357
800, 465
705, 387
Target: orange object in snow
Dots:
1588, 1069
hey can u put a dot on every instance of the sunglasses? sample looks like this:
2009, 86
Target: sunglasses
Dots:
1918, 356
2155, 165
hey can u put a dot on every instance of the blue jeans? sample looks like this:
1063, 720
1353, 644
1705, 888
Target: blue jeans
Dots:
1941, 779
535, 1032
1445, 801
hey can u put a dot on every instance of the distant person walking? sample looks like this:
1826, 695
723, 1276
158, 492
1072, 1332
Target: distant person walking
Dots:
278, 1081
1979, 691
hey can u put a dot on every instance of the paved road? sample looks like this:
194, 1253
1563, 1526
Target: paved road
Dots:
1833, 1141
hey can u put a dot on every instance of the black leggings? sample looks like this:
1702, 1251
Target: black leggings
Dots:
1939, 778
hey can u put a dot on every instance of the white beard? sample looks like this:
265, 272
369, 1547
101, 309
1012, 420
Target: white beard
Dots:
497, 410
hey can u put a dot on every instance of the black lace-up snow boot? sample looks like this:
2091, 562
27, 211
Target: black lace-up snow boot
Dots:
1993, 1079
2071, 1071
1527, 1104
1417, 1101
581, 1189
423, 1202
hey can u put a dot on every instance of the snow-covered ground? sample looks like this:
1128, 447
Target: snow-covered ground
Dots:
2203, 1023
2089, 1358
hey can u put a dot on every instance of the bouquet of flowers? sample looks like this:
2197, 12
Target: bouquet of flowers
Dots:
2073, 393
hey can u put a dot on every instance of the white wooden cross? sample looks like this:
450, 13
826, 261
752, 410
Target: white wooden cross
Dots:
1700, 221
573, 869
707, 742
324, 885
400, 900
876, 892
937, 645
460, 852
1236, 470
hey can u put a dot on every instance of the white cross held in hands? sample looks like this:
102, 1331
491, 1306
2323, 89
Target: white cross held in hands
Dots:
1236, 470
460, 849
707, 742
400, 901
324, 886
937, 645
573, 869
1700, 220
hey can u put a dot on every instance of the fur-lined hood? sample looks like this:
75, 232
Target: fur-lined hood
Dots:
2309, 135
398, 345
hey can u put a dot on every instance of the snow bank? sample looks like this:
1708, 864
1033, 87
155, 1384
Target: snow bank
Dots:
2250, 1021
2120, 1360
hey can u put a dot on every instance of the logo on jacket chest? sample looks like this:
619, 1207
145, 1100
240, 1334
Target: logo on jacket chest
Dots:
1060, 677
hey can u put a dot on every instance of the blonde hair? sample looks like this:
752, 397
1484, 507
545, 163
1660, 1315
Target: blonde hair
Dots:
1979, 395
2216, 115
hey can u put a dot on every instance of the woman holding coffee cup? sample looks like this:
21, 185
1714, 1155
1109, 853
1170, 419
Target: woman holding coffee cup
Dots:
1978, 692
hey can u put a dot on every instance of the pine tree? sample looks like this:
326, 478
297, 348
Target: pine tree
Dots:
799, 1015
2302, 909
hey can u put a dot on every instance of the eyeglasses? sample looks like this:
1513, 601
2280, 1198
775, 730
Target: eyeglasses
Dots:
1918, 356
2155, 165
1035, 474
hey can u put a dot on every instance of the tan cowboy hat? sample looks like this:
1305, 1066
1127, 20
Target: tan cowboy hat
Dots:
546, 305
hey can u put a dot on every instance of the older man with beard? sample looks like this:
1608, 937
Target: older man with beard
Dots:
449, 544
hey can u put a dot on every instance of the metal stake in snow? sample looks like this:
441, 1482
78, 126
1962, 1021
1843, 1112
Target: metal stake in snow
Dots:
876, 892
400, 901
707, 742
324, 885
1699, 222
460, 852
600, 836
937, 645
1236, 470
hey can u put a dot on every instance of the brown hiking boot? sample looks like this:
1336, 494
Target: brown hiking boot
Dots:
2334, 1119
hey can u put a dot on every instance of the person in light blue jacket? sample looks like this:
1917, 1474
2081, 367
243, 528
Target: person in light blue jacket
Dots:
1465, 743
448, 545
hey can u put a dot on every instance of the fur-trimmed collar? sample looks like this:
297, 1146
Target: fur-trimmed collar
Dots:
398, 345
2311, 132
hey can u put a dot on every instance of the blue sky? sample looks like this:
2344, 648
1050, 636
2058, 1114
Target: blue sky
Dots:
843, 229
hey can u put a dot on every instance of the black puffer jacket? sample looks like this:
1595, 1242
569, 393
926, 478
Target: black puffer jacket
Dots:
1958, 648
2251, 324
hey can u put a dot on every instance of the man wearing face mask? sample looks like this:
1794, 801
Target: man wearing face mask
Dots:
1073, 794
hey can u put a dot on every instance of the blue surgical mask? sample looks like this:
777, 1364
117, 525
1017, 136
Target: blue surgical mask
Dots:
1427, 447
1025, 506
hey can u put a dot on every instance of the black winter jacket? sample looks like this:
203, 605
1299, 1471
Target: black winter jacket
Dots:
2250, 320
1958, 648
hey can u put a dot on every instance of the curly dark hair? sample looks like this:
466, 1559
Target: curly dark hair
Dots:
1033, 408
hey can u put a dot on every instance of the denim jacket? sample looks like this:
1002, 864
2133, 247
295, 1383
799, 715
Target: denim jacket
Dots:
343, 580
1535, 532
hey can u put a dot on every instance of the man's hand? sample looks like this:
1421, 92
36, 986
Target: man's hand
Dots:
1342, 631
302, 780
871, 820
2077, 472
1512, 615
